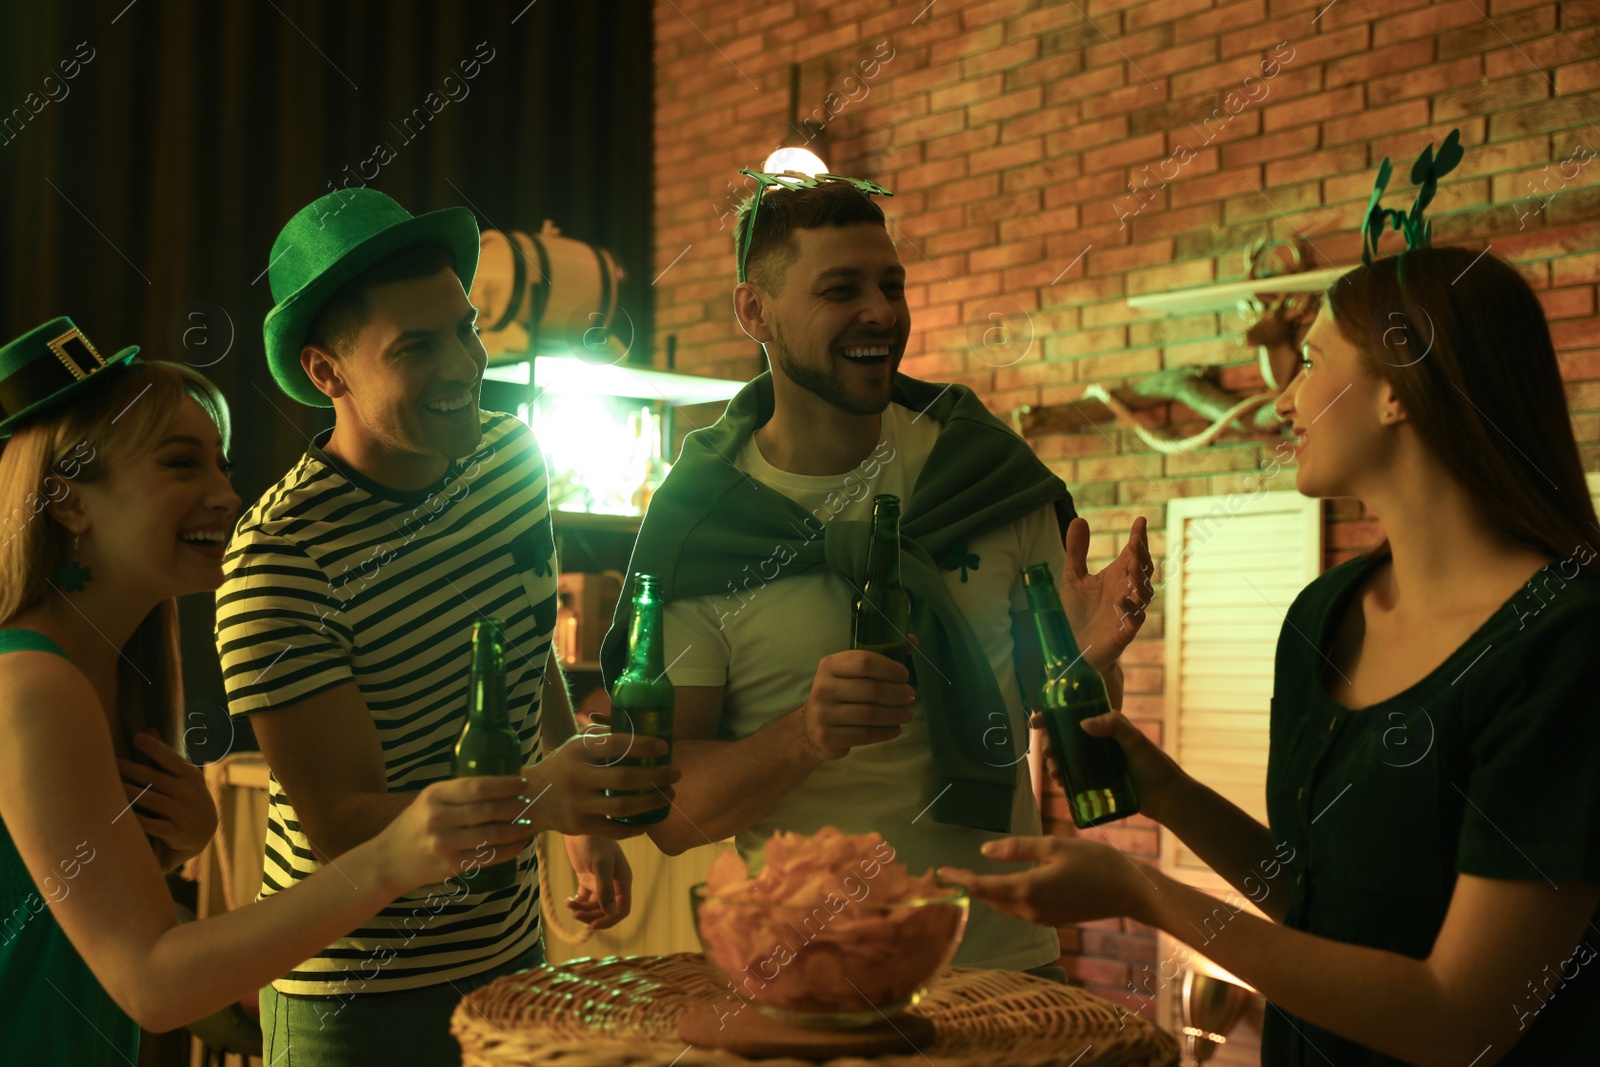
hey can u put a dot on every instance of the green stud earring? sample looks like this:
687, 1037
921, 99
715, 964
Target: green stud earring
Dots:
73, 576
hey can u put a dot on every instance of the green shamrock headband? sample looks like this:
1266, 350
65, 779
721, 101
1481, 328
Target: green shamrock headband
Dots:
1425, 173
791, 180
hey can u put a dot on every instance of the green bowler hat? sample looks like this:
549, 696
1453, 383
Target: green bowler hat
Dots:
46, 366
328, 243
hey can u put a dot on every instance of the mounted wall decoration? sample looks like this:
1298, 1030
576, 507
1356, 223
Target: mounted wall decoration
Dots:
1283, 292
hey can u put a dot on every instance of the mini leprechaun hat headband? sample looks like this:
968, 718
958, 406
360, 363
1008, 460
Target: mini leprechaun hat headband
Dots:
790, 179
1425, 174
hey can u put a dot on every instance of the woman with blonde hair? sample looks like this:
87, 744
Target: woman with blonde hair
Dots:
115, 495
1430, 872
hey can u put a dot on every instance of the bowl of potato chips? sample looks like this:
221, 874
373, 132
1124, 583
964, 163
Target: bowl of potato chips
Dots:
831, 933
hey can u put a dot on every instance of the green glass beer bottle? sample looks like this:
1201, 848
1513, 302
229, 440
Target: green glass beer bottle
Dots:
881, 614
642, 698
1094, 771
488, 745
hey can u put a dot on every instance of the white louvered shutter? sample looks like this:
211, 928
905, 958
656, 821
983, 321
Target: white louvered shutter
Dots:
1229, 578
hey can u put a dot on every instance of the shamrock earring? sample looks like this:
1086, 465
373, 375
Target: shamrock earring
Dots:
73, 576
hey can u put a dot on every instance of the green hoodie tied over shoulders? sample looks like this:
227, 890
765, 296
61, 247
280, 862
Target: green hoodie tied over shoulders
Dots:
709, 520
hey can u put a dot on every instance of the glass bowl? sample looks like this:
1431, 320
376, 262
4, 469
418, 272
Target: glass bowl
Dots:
840, 964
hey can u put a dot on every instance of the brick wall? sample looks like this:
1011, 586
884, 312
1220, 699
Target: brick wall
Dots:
1027, 143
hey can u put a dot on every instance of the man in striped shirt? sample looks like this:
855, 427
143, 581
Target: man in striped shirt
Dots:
344, 629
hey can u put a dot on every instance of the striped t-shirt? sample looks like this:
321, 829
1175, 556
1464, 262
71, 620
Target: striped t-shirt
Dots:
332, 579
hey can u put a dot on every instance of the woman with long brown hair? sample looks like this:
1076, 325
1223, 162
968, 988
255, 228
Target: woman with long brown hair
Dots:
115, 495
1431, 870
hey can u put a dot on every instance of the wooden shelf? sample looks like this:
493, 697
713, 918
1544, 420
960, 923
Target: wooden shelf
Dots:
1224, 296
587, 666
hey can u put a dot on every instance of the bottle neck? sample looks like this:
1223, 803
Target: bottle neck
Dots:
1056, 642
486, 691
645, 657
883, 549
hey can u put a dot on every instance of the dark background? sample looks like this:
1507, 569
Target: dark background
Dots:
144, 202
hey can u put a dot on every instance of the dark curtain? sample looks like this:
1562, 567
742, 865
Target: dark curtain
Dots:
142, 193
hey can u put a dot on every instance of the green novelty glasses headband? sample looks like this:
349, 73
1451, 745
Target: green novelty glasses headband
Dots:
791, 180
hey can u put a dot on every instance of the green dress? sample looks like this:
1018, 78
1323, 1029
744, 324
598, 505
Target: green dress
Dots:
1489, 766
54, 1010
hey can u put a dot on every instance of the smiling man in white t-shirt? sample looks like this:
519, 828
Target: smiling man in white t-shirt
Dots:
757, 537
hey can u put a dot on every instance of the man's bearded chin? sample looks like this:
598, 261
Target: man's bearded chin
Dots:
827, 384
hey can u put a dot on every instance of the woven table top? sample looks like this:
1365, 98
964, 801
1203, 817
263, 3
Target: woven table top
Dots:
624, 1012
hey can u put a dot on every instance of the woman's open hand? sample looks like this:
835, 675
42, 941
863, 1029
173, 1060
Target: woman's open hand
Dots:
1074, 881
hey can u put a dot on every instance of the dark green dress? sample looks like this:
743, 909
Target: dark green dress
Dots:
1489, 766
54, 1010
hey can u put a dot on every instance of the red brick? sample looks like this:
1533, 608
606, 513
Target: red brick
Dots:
1186, 191
1574, 302
1313, 108
1186, 56
1044, 120
1168, 223
1580, 365
1048, 70
1149, 14
1218, 19
1541, 52
1079, 33
1040, 21
1086, 86
1477, 34
1578, 77
959, 240
1127, 48
1375, 122
965, 92
1579, 13
1495, 96
1271, 146
1001, 207
1434, 19
1557, 114
1334, 161
1331, 46
1329, 15
959, 145
1172, 276
929, 126
1576, 269
1135, 152
1044, 173
1425, 81
1161, 491
1568, 334
962, 45
1004, 107
1118, 260
1134, 97
1574, 204
1401, 60
967, 191
1262, 37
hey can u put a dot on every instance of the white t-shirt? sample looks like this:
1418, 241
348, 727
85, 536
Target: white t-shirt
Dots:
763, 642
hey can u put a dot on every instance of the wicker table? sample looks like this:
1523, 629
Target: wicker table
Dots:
624, 1012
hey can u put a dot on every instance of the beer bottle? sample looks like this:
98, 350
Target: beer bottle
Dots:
641, 698
488, 745
1094, 771
881, 616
